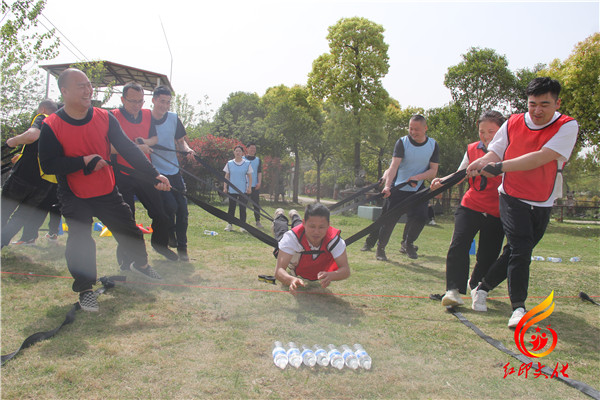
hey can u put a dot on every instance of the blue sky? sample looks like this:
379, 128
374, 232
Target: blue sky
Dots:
224, 46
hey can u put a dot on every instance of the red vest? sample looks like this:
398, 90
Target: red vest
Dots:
536, 184
77, 141
133, 131
486, 200
308, 267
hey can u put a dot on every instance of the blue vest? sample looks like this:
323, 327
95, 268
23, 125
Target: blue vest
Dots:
416, 161
166, 137
237, 176
254, 164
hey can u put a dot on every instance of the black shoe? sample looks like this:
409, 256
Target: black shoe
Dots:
366, 247
411, 250
183, 255
380, 255
148, 272
166, 252
403, 247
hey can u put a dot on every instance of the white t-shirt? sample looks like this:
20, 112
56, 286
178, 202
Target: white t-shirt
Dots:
289, 244
562, 143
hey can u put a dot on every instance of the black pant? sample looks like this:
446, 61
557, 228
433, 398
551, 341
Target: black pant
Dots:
152, 200
233, 203
176, 209
466, 225
115, 214
255, 197
37, 218
416, 220
280, 225
524, 226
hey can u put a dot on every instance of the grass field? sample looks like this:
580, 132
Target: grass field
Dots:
207, 331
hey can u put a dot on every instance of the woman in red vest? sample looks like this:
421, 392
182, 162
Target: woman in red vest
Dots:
478, 212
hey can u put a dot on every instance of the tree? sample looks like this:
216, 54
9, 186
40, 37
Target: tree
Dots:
480, 82
96, 73
320, 147
22, 48
239, 117
195, 119
350, 74
579, 76
519, 91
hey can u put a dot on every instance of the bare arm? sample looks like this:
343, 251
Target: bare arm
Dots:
29, 136
342, 272
281, 274
389, 176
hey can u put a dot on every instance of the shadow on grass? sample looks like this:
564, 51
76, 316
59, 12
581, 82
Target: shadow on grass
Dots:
415, 267
574, 230
323, 303
22, 263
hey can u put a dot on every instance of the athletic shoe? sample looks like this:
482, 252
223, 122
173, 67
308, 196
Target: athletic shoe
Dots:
52, 238
452, 298
380, 254
30, 242
88, 301
243, 230
516, 317
183, 255
258, 225
228, 228
366, 247
403, 247
479, 297
279, 211
431, 223
166, 253
148, 272
292, 213
411, 251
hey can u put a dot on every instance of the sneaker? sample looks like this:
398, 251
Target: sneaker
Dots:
278, 212
366, 247
88, 301
51, 238
292, 213
452, 298
228, 228
479, 297
148, 272
243, 230
183, 255
411, 251
166, 253
259, 225
30, 242
431, 223
516, 317
403, 247
380, 255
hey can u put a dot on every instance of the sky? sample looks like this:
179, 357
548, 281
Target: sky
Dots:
221, 47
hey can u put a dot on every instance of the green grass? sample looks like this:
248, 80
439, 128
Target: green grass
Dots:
207, 333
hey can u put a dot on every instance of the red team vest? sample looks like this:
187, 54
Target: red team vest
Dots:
486, 200
308, 267
133, 131
536, 184
77, 141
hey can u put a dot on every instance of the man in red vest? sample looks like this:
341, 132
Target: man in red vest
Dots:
139, 127
531, 150
312, 249
75, 143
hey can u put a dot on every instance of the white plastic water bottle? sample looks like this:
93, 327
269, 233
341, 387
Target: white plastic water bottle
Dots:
349, 357
279, 356
322, 356
210, 233
308, 356
575, 259
537, 258
335, 357
293, 354
363, 358
554, 259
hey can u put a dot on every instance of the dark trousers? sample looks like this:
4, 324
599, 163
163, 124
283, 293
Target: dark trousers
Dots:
255, 197
466, 225
48, 206
233, 203
115, 214
176, 208
152, 200
524, 226
416, 220
280, 225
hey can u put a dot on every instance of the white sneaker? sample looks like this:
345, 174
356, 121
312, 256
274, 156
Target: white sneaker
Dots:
516, 317
243, 230
292, 213
228, 228
479, 298
278, 212
452, 298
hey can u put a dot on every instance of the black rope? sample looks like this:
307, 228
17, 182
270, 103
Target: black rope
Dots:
372, 198
585, 297
355, 195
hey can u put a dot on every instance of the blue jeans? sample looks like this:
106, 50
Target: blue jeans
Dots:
176, 208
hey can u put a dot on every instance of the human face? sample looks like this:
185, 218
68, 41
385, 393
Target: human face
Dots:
77, 92
238, 153
162, 104
315, 229
487, 130
133, 102
417, 131
542, 108
251, 150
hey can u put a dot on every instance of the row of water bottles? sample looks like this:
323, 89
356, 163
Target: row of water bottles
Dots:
295, 356
553, 259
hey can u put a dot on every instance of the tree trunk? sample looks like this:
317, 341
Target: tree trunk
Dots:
296, 175
318, 182
356, 158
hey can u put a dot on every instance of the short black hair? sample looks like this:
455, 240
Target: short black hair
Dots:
543, 85
316, 210
418, 118
134, 86
162, 89
48, 105
492, 116
251, 144
240, 146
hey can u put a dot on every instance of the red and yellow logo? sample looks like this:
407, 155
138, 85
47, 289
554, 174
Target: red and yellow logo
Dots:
539, 340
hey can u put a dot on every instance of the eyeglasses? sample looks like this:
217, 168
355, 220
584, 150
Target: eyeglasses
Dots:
135, 101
